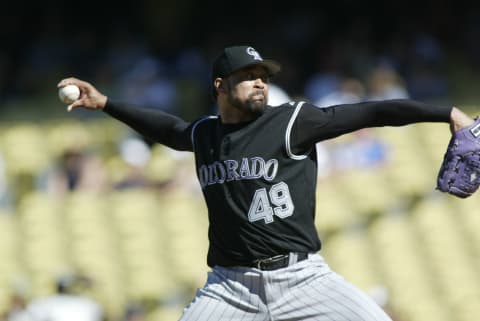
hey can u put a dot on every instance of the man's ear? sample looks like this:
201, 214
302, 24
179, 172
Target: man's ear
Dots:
220, 85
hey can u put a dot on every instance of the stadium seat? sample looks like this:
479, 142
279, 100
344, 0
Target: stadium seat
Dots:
402, 265
367, 191
409, 171
434, 139
349, 253
333, 211
448, 252
25, 150
10, 266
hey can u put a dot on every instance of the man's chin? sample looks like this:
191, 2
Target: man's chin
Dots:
258, 106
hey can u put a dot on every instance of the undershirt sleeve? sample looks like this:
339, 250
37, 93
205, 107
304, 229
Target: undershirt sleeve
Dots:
155, 124
314, 124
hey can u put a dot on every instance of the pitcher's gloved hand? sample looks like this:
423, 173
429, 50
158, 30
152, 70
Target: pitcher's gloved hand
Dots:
459, 173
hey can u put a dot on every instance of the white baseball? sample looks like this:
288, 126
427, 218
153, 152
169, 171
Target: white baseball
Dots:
69, 93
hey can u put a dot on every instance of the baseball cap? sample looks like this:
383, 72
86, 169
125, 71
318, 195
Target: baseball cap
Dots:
238, 57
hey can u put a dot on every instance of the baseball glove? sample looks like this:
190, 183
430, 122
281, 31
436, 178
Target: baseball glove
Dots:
459, 173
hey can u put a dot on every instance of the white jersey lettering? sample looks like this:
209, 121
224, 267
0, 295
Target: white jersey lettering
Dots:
229, 170
231, 166
257, 168
244, 168
220, 172
273, 165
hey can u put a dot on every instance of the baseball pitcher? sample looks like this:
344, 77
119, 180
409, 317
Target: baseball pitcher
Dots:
257, 169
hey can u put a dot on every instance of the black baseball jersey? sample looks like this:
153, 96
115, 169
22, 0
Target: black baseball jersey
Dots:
259, 178
260, 196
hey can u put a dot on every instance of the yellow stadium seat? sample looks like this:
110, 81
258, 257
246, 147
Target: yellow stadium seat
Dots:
69, 135
434, 139
443, 238
333, 211
349, 253
402, 264
367, 191
409, 170
25, 150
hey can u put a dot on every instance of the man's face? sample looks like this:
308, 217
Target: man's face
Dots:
247, 89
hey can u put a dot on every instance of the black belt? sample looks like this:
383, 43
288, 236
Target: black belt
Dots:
279, 261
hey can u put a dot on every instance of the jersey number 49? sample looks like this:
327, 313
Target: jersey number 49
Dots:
276, 202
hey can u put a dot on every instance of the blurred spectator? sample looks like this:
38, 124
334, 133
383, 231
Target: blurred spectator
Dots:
16, 310
93, 174
148, 166
360, 149
136, 154
66, 304
134, 312
383, 82
321, 85
64, 175
147, 83
74, 170
349, 91
363, 149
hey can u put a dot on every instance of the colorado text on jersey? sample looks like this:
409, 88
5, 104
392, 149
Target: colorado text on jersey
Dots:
228, 170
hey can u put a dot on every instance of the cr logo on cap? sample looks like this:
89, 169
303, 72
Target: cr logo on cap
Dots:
252, 52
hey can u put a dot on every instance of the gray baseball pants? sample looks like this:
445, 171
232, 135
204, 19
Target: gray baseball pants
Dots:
307, 290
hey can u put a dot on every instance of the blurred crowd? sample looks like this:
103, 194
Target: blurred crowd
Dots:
159, 54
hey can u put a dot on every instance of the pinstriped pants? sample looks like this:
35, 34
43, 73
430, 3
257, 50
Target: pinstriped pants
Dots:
307, 290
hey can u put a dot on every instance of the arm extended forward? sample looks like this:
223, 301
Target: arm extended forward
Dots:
157, 125
315, 124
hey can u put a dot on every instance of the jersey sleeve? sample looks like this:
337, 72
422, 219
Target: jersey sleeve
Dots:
155, 124
315, 124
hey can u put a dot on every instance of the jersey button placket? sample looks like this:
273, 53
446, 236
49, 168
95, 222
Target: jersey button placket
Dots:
225, 148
